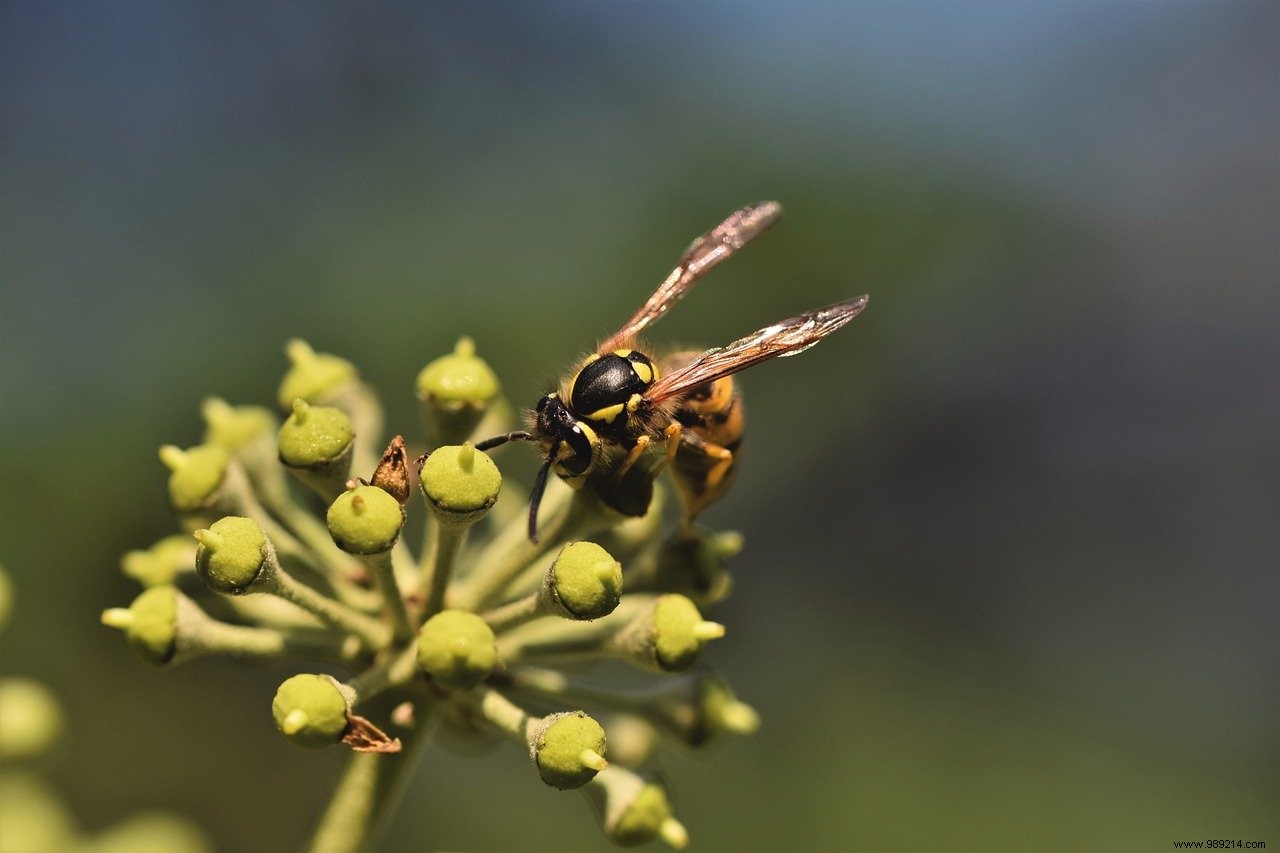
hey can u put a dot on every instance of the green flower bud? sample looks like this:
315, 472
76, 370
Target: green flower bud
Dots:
457, 649
150, 624
234, 555
634, 810
365, 520
195, 475
461, 484
568, 749
315, 436
30, 718
455, 391
584, 582
312, 376
680, 632
722, 711
632, 740
697, 708
316, 444
667, 635
165, 627
693, 566
310, 711
233, 427
647, 816
32, 818
162, 562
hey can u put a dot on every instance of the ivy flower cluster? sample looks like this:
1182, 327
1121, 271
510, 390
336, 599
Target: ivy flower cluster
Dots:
294, 546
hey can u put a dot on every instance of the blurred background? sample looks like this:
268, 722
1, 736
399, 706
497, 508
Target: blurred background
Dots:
1011, 572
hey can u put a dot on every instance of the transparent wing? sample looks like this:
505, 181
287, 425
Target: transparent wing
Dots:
703, 254
791, 336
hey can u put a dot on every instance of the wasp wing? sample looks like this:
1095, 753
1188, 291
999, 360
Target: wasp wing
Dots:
703, 254
791, 336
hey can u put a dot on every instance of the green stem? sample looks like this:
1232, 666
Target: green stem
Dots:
518, 612
252, 642
322, 557
502, 713
371, 632
385, 576
408, 577
562, 650
368, 793
396, 671
566, 640
511, 551
361, 405
438, 568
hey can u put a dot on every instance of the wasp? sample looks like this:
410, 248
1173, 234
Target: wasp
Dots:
620, 401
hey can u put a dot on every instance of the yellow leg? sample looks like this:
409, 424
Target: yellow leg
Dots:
673, 433
633, 456
722, 455
721, 465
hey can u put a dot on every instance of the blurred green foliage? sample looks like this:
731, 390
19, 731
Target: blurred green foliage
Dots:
1009, 579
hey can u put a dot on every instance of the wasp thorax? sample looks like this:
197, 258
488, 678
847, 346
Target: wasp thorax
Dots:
604, 385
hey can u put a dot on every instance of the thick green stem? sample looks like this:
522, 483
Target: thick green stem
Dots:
445, 539
385, 576
517, 612
502, 713
396, 671
361, 405
255, 642
322, 556
367, 795
371, 632
511, 552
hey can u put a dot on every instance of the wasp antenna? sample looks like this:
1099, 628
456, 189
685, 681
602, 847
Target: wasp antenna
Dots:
490, 443
535, 498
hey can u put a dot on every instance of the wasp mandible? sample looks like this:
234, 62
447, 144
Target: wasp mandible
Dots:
619, 401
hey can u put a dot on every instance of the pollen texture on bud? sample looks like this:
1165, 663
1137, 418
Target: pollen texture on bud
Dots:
680, 632
310, 711
585, 581
568, 749
365, 520
194, 474
312, 376
460, 483
455, 390
457, 649
314, 435
231, 555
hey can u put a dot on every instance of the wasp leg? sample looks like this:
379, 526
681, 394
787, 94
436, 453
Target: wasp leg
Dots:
490, 443
721, 464
633, 456
672, 433
723, 456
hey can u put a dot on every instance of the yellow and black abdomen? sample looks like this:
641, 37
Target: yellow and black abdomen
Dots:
711, 418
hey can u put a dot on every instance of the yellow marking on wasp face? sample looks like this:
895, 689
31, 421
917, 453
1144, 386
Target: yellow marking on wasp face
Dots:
633, 402
607, 414
590, 434
644, 371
